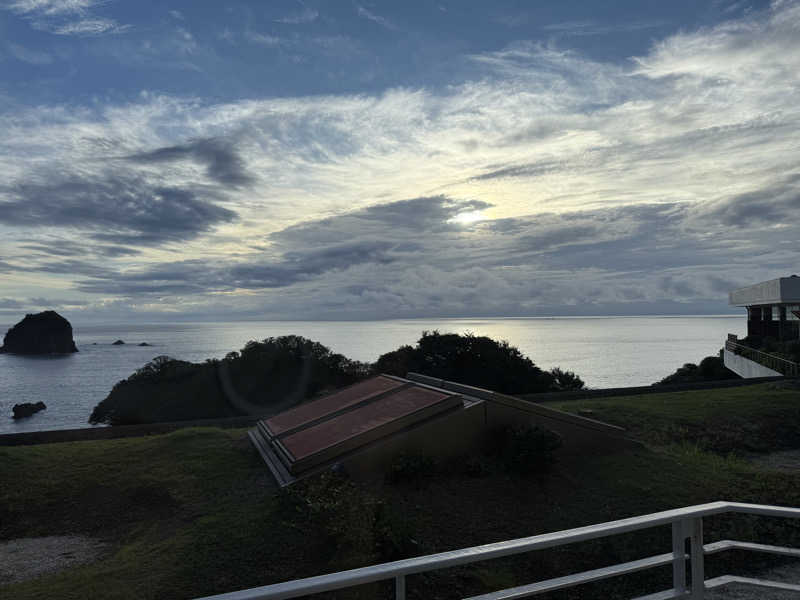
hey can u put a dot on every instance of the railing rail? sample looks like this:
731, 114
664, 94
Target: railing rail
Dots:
776, 363
687, 526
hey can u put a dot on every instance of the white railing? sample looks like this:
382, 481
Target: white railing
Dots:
687, 528
776, 363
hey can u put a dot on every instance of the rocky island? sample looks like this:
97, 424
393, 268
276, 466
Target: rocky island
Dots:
43, 333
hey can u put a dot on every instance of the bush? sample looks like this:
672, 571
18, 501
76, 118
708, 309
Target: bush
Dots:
711, 368
524, 450
338, 516
410, 468
566, 380
265, 376
475, 360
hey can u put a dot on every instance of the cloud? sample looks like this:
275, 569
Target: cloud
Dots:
114, 209
376, 18
775, 205
591, 28
306, 15
59, 17
195, 277
223, 163
89, 27
10, 303
32, 57
655, 182
263, 39
52, 7
63, 247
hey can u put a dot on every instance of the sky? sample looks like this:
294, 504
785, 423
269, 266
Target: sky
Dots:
290, 159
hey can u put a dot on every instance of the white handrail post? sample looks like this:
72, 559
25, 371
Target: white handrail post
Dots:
400, 587
679, 556
697, 557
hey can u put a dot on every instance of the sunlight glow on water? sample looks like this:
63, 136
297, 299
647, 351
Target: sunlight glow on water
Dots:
604, 351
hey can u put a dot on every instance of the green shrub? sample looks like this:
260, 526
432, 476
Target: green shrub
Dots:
711, 368
524, 450
265, 376
338, 517
394, 534
475, 360
410, 468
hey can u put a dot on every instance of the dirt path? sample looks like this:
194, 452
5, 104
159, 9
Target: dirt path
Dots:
26, 558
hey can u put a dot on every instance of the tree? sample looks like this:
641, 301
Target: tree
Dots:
474, 360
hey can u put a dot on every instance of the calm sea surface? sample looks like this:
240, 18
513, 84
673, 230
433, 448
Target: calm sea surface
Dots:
604, 351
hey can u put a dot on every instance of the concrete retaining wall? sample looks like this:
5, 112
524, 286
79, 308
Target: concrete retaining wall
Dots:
746, 368
118, 431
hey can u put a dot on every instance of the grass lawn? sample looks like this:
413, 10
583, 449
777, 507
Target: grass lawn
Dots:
758, 418
195, 512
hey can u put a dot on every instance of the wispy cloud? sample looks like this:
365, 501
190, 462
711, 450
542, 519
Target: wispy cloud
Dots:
306, 15
88, 27
33, 57
263, 39
376, 18
66, 17
52, 7
588, 28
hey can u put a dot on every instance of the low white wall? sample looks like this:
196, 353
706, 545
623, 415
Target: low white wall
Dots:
746, 368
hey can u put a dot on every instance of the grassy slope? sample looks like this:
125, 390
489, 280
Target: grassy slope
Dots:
759, 418
194, 512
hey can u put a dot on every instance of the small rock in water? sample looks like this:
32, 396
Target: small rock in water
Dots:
26, 409
144, 344
118, 343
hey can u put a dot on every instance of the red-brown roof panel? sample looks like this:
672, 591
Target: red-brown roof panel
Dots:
320, 442
328, 405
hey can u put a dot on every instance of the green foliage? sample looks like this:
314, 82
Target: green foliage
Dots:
394, 533
290, 369
410, 468
711, 368
349, 525
474, 360
566, 380
334, 513
524, 450
164, 390
264, 376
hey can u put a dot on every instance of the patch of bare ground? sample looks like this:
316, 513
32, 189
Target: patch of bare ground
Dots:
27, 558
787, 460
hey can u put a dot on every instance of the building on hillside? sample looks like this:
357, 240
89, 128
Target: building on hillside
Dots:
773, 308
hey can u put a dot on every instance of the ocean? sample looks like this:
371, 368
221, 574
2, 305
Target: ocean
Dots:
604, 351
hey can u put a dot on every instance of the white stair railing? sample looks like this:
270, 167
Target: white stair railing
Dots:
687, 527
